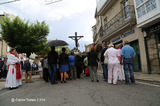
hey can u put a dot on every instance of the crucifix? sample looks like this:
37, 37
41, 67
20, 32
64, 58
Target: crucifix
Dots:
76, 38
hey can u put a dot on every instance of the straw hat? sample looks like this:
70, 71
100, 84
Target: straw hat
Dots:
110, 45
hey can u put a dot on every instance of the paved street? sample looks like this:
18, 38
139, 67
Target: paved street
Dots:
82, 92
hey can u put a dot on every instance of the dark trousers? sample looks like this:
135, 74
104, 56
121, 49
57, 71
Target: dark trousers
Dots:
46, 74
4, 73
128, 66
1, 73
105, 71
79, 71
53, 72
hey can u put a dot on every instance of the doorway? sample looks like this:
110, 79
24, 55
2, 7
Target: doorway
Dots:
137, 61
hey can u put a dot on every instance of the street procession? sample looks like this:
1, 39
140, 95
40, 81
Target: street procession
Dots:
80, 53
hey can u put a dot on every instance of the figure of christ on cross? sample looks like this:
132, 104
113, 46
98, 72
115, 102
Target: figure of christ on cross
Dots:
76, 38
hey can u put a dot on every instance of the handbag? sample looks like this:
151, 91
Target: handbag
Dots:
106, 60
87, 70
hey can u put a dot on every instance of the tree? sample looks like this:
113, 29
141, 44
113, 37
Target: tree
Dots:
43, 52
24, 36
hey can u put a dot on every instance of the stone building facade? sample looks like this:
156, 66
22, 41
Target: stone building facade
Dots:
148, 19
119, 25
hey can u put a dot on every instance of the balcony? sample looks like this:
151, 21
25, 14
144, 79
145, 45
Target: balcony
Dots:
124, 19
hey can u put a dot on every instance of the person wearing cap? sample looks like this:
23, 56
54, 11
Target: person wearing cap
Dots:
104, 66
128, 55
113, 63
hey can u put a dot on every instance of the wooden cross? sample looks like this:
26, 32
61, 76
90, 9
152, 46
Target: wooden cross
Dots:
76, 38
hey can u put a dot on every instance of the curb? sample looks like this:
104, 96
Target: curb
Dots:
151, 81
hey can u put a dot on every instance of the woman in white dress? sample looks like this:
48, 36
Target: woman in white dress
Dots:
113, 63
13, 76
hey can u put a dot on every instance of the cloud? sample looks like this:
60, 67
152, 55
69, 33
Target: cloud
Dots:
64, 18
56, 11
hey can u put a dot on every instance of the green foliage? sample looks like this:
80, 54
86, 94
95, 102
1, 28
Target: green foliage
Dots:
25, 37
43, 52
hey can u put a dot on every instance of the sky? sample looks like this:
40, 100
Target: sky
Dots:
64, 18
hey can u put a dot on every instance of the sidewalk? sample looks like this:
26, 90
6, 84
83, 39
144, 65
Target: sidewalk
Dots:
145, 77
2, 81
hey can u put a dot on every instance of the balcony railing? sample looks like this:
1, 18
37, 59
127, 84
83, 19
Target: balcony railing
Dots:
125, 16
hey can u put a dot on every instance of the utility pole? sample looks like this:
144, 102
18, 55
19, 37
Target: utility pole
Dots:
76, 38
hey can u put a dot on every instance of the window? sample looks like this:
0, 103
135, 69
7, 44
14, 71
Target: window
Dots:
138, 2
153, 4
146, 7
150, 5
126, 9
141, 11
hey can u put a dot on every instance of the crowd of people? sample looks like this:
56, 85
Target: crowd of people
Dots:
58, 67
3, 69
119, 63
115, 62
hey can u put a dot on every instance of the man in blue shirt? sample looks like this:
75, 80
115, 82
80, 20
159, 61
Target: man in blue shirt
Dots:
128, 55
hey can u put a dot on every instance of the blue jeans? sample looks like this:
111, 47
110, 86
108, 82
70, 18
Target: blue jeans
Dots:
53, 73
128, 67
21, 71
105, 71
